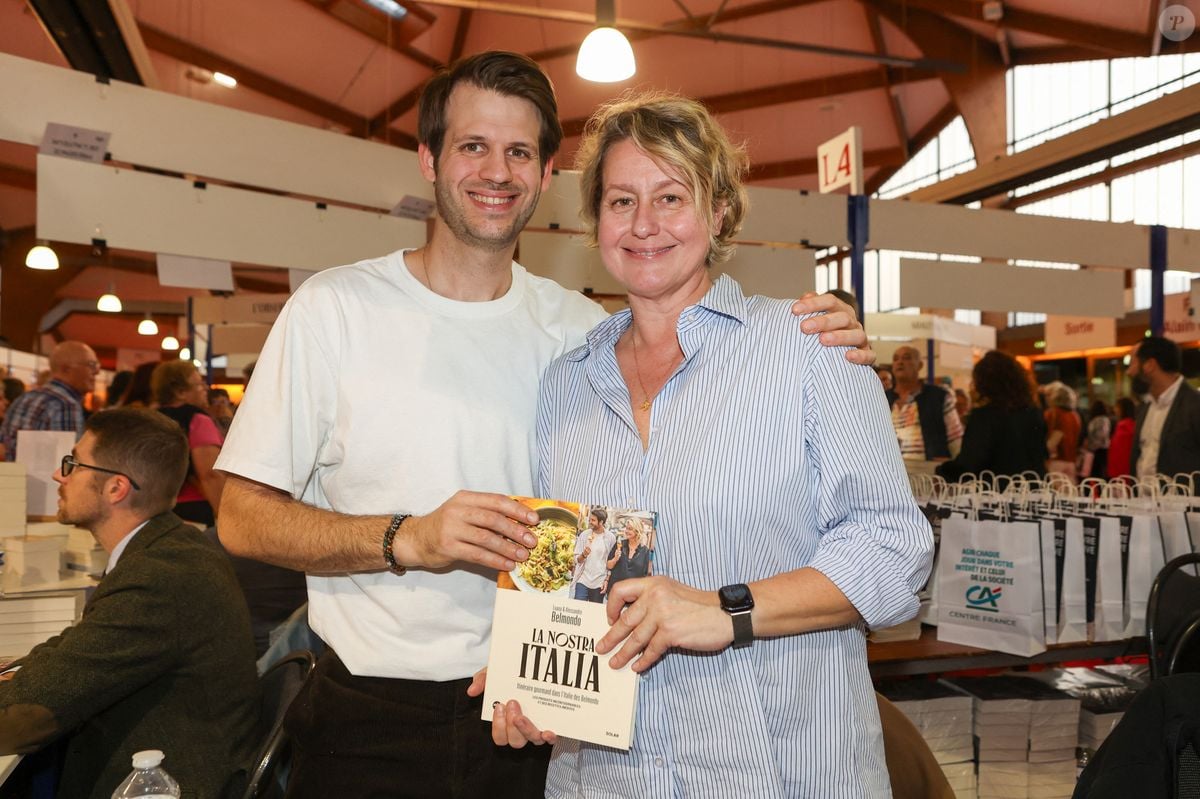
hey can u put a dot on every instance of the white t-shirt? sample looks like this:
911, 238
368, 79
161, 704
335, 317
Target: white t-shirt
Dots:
373, 395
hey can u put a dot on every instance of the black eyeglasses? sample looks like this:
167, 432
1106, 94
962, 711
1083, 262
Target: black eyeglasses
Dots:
69, 464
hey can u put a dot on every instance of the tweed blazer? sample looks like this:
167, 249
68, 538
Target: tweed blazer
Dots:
163, 658
1179, 445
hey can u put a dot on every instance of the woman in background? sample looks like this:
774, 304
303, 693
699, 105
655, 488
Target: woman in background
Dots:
1007, 435
1120, 447
1098, 438
1063, 427
116, 389
181, 394
138, 393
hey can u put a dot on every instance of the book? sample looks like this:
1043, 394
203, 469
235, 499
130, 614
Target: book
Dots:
550, 613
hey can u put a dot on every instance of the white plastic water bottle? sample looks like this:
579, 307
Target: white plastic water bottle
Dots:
147, 780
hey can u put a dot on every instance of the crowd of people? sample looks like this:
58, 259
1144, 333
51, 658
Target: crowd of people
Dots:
1008, 425
174, 388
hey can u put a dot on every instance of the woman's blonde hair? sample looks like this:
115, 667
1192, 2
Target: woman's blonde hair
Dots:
681, 135
170, 380
1060, 395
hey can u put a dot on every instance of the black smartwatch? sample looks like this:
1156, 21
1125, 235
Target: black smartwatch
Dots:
737, 601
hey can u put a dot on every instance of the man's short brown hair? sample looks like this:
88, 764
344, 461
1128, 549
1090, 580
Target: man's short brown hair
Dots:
510, 74
148, 447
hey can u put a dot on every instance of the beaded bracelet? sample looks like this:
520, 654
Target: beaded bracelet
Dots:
388, 556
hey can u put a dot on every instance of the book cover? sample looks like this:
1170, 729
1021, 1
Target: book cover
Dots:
550, 613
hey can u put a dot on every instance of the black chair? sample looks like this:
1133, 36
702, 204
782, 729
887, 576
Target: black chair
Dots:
1173, 618
279, 685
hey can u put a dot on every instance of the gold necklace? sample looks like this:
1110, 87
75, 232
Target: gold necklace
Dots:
647, 400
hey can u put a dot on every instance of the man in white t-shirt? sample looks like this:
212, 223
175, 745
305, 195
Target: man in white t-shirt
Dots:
390, 396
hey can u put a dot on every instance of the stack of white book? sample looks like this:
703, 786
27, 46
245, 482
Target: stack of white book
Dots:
1025, 737
961, 777
26, 621
12, 499
941, 714
1053, 725
1102, 697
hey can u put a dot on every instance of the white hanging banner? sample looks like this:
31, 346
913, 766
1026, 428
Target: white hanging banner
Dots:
999, 287
194, 273
1070, 333
839, 162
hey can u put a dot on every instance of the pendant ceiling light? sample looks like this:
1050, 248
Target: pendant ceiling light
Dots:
605, 55
170, 343
41, 257
110, 302
147, 327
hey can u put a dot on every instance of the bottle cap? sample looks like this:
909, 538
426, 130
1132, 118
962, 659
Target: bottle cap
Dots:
147, 759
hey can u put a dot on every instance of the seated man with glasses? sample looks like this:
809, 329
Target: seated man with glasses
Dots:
163, 657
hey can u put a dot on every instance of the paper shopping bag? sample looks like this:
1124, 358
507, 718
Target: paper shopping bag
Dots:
1071, 583
1102, 579
1143, 561
990, 581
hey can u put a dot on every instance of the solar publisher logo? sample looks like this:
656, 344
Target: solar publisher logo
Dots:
980, 597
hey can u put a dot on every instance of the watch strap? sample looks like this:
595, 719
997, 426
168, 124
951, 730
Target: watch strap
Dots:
743, 629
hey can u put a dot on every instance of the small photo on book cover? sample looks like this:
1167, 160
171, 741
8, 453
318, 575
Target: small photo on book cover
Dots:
584, 550
550, 612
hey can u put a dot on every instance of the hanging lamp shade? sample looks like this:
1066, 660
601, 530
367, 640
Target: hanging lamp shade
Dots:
109, 302
41, 257
605, 55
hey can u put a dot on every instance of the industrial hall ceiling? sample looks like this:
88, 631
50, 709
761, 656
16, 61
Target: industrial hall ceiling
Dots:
783, 75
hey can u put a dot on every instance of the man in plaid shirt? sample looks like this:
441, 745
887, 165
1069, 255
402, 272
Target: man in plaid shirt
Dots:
58, 405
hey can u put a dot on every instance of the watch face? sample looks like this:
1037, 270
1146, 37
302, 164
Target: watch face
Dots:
736, 597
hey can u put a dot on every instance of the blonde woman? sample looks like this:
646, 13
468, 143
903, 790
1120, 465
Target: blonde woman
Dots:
785, 520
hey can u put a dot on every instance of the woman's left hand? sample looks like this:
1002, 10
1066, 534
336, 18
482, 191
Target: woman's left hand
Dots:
654, 614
